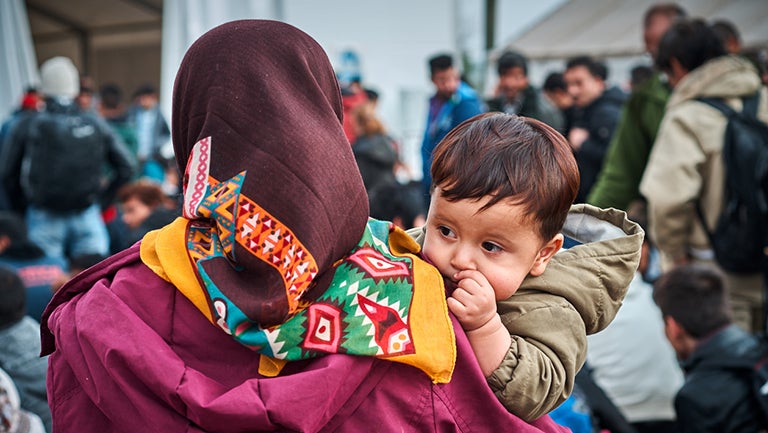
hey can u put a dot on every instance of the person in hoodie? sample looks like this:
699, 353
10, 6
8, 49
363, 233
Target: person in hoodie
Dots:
597, 113
685, 166
273, 303
716, 354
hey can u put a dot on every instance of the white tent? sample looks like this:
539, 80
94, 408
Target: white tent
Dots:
611, 28
19, 66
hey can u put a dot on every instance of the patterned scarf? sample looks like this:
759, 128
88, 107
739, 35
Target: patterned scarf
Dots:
275, 246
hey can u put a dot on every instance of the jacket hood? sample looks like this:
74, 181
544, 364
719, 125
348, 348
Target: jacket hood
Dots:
723, 77
594, 274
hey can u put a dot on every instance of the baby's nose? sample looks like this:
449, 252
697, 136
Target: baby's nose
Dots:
463, 259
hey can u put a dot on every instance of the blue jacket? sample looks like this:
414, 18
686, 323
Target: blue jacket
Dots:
462, 105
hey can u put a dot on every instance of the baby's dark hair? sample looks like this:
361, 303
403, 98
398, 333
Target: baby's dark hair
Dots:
509, 157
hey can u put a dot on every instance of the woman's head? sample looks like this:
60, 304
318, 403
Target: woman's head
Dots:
366, 120
277, 162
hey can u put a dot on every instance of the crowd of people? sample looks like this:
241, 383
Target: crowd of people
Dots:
549, 269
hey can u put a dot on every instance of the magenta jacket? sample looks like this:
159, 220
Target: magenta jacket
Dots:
130, 353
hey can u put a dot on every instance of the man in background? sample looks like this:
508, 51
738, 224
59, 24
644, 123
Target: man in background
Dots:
454, 101
716, 355
619, 180
516, 95
597, 113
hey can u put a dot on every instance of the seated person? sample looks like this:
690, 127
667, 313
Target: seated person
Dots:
715, 353
20, 347
38, 271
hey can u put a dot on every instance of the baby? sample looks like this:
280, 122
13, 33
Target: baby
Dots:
502, 189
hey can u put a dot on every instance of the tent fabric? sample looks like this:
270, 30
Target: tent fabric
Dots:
19, 66
610, 28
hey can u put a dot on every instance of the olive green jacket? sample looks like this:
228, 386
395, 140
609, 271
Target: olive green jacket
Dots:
550, 316
619, 180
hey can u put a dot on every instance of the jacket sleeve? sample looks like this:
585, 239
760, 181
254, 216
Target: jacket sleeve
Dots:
672, 183
11, 155
549, 344
122, 162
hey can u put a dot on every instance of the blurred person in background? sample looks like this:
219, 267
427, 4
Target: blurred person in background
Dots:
516, 95
716, 355
685, 168
556, 91
37, 271
31, 103
53, 168
152, 132
454, 101
596, 115
618, 183
20, 347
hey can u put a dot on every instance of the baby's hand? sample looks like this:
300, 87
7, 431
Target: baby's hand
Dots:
474, 301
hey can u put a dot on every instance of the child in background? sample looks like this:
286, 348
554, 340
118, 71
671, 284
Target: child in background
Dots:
502, 191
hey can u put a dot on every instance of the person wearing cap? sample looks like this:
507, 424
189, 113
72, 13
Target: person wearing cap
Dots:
52, 166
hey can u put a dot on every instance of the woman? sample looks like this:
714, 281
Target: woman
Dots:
274, 260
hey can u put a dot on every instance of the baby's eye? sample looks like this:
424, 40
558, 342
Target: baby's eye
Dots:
445, 231
491, 247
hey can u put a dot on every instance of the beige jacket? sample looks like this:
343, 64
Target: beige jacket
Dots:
685, 164
550, 316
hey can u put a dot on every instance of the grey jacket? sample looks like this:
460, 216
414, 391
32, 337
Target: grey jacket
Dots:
20, 358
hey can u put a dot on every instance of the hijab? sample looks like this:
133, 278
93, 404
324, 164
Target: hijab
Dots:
275, 245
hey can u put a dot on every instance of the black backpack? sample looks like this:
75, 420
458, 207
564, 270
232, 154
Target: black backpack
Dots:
63, 161
740, 237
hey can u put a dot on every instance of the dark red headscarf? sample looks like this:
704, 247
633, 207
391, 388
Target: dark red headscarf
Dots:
267, 96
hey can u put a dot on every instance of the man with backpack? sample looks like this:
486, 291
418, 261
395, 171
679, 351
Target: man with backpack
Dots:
54, 164
685, 179
718, 357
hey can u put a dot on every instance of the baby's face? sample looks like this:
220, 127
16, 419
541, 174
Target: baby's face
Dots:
499, 242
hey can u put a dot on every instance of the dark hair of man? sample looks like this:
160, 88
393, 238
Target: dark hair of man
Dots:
691, 42
671, 10
144, 90
695, 296
595, 68
12, 297
640, 74
725, 30
111, 95
509, 60
509, 157
439, 63
554, 81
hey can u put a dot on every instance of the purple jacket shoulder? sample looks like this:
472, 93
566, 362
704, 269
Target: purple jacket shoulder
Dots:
129, 352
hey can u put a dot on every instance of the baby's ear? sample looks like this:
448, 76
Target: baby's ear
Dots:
545, 253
